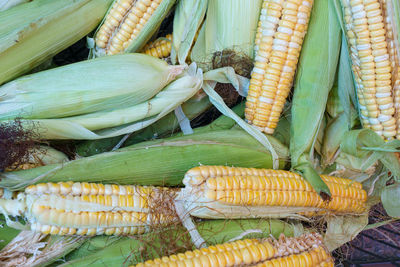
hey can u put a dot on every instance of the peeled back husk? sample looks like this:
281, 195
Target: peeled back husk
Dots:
119, 121
84, 87
33, 32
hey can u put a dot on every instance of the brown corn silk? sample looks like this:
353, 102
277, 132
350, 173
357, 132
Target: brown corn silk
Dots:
229, 192
305, 250
370, 31
280, 33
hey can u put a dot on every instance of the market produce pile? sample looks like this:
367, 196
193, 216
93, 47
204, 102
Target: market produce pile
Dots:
123, 158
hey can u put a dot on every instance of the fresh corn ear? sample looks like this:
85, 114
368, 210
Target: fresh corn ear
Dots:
68, 208
33, 32
281, 29
160, 48
129, 24
305, 250
229, 192
370, 29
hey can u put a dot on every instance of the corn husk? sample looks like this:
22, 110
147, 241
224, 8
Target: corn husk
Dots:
321, 48
228, 25
6, 233
162, 162
189, 15
105, 83
33, 32
7, 4
149, 28
160, 129
127, 250
36, 249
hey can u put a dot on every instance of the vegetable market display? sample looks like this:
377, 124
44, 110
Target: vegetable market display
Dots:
121, 159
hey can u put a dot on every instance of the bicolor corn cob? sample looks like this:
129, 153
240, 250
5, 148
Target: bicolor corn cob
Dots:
229, 192
281, 29
123, 24
370, 37
159, 48
306, 250
68, 208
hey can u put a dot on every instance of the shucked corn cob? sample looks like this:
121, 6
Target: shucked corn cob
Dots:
69, 208
128, 20
281, 29
228, 192
306, 250
375, 63
159, 48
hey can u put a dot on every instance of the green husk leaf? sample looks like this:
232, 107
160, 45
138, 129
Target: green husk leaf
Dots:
6, 4
354, 143
150, 27
33, 32
162, 162
342, 229
390, 200
321, 48
6, 233
189, 15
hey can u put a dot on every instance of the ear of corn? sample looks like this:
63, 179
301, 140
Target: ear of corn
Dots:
228, 25
306, 250
31, 33
171, 157
129, 24
160, 48
68, 208
188, 17
281, 29
229, 192
369, 29
117, 252
106, 83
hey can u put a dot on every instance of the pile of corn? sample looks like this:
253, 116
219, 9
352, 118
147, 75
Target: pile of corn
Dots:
317, 130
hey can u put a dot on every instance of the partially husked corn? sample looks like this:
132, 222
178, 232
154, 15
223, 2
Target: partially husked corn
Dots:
159, 48
306, 250
281, 30
123, 24
228, 192
68, 208
370, 37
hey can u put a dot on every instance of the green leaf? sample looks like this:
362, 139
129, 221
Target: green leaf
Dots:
390, 197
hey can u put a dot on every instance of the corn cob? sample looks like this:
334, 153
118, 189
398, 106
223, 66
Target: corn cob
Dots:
281, 29
368, 30
68, 208
127, 22
159, 48
306, 250
229, 192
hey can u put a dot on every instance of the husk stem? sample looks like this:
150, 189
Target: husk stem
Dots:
33, 32
126, 251
162, 162
321, 47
